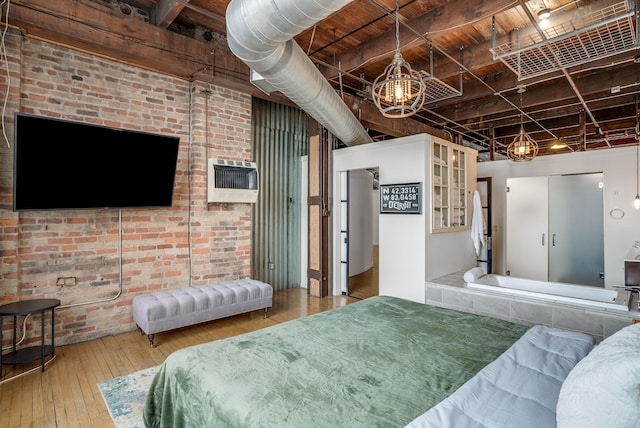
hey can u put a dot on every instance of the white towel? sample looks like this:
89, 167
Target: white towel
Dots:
473, 274
477, 223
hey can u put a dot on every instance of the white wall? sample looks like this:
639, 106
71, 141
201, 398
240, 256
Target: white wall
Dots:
619, 170
408, 253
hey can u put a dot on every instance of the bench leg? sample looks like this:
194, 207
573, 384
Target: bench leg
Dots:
266, 312
150, 336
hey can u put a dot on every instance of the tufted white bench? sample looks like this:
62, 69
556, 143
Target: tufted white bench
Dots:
168, 309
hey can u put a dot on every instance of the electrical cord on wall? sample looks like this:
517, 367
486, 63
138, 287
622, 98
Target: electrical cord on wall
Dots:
119, 293
91, 302
189, 142
3, 56
24, 333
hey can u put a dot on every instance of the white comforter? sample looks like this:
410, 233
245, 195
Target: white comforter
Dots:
519, 389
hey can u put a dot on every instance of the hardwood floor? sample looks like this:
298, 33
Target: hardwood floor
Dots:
66, 393
365, 284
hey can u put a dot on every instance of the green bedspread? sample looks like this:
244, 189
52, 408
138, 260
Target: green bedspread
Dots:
376, 363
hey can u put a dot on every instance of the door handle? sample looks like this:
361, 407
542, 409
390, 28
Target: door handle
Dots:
543, 239
553, 239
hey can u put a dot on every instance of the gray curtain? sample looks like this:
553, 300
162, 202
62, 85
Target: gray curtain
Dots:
279, 135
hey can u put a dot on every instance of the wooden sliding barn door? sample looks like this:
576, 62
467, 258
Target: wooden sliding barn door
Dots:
318, 215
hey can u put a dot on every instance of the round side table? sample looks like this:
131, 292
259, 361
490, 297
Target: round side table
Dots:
29, 353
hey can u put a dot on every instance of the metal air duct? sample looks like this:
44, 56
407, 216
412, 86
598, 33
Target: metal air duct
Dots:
261, 32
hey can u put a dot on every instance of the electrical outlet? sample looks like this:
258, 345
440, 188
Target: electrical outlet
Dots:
271, 266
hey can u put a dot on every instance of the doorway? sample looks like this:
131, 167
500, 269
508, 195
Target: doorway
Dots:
359, 232
485, 189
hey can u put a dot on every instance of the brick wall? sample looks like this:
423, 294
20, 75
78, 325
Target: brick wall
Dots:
95, 261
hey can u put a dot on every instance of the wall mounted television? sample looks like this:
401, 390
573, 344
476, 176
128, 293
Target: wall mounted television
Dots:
65, 165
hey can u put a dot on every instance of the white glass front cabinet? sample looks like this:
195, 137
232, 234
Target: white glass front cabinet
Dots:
450, 186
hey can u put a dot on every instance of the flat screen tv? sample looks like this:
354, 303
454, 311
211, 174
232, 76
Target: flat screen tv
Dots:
64, 165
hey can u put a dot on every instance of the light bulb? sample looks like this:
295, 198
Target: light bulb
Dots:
399, 92
543, 17
636, 202
544, 14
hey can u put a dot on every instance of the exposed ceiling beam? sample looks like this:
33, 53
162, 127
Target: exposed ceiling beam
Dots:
91, 27
473, 58
437, 20
198, 16
166, 11
473, 105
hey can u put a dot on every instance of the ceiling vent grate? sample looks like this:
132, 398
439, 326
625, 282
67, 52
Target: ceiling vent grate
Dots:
437, 90
599, 34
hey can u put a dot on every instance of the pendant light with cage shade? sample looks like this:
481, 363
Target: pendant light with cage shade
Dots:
523, 148
399, 91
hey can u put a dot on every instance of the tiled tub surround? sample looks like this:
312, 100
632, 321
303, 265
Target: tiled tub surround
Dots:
449, 291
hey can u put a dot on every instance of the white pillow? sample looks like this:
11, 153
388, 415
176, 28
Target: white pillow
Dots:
603, 390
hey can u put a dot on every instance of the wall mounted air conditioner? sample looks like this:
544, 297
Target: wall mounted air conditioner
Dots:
232, 181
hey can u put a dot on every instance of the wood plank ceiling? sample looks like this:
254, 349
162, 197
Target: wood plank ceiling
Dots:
588, 104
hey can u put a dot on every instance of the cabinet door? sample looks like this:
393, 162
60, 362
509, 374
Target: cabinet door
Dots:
458, 188
527, 226
450, 189
441, 189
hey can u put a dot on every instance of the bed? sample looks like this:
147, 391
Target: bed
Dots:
380, 362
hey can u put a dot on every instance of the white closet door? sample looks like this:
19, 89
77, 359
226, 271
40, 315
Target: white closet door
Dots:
527, 226
576, 230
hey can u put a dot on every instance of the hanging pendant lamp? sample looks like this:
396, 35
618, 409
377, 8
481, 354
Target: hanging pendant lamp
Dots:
399, 91
523, 148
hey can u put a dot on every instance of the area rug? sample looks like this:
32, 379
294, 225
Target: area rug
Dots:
125, 396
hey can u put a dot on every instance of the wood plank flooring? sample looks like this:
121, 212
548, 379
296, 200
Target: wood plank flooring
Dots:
66, 393
365, 284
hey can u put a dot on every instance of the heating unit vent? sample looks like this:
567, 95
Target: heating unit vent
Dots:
232, 181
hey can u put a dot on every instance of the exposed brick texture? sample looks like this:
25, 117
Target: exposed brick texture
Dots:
80, 256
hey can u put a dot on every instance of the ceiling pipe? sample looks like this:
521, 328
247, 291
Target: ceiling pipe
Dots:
260, 33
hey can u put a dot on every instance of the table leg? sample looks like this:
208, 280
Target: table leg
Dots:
14, 333
42, 340
53, 344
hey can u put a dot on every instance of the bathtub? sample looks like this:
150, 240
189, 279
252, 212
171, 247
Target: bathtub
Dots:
582, 295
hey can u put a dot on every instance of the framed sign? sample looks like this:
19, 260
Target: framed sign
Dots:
401, 198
